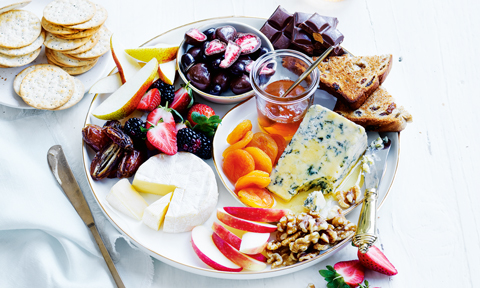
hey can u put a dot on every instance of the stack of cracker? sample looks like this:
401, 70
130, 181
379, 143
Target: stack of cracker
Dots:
46, 86
21, 36
76, 36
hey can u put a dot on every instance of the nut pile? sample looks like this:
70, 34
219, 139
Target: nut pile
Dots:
302, 237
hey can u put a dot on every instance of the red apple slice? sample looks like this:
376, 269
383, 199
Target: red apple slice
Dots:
253, 243
236, 256
234, 240
257, 214
125, 100
207, 251
243, 224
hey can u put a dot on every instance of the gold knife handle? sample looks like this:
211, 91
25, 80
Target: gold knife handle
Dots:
367, 225
106, 256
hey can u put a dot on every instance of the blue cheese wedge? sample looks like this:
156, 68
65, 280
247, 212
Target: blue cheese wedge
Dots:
315, 201
320, 155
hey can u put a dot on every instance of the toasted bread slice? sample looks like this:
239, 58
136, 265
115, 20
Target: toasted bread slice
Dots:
353, 79
379, 113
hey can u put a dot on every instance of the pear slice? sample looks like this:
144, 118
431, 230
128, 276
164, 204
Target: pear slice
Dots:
125, 100
124, 198
155, 213
163, 52
108, 84
127, 66
166, 71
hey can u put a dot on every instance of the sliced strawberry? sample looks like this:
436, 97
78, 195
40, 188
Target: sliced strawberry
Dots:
183, 99
150, 100
163, 136
375, 260
202, 109
160, 113
344, 273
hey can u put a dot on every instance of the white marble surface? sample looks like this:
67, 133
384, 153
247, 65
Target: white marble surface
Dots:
429, 226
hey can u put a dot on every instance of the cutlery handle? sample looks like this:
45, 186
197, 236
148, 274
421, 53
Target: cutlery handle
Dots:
367, 224
106, 256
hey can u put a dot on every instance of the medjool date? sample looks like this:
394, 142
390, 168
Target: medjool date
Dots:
105, 161
94, 136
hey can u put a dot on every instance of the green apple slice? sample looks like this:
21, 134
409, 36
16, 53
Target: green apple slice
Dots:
126, 64
125, 100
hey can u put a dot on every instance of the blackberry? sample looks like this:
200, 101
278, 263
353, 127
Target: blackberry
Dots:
133, 128
167, 92
194, 142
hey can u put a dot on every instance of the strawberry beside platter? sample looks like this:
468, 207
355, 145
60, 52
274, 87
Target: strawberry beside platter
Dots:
176, 249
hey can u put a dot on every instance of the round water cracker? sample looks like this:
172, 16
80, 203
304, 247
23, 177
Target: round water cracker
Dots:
78, 94
19, 78
98, 19
79, 70
52, 60
14, 6
69, 12
102, 47
24, 50
80, 34
47, 88
19, 28
59, 44
67, 61
85, 47
17, 61
56, 29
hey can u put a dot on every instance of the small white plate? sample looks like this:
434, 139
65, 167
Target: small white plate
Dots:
176, 249
8, 96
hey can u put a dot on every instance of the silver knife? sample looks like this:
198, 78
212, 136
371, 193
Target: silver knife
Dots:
378, 150
61, 171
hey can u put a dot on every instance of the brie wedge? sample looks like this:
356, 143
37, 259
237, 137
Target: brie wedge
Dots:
155, 213
124, 198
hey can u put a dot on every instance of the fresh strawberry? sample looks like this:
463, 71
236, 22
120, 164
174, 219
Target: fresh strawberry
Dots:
344, 274
202, 109
150, 100
183, 99
163, 136
160, 113
203, 119
375, 260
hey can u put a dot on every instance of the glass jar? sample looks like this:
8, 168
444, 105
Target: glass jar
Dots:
271, 75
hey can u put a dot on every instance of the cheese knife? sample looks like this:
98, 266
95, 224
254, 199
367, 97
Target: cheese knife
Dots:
378, 150
62, 172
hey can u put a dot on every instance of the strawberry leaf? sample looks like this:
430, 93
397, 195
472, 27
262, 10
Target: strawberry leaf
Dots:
206, 125
334, 279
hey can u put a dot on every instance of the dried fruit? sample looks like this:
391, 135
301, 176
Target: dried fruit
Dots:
232, 52
194, 37
94, 136
249, 42
106, 160
255, 178
119, 137
239, 131
281, 144
237, 163
241, 85
215, 47
265, 143
256, 197
226, 33
130, 163
240, 144
262, 160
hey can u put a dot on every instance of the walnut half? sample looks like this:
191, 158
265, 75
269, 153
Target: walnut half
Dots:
349, 197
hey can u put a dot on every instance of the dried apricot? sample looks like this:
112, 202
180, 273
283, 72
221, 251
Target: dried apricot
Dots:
265, 143
262, 161
239, 132
256, 197
281, 144
255, 178
240, 144
237, 163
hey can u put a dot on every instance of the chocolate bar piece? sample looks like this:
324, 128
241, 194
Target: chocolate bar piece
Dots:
278, 28
318, 23
299, 37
